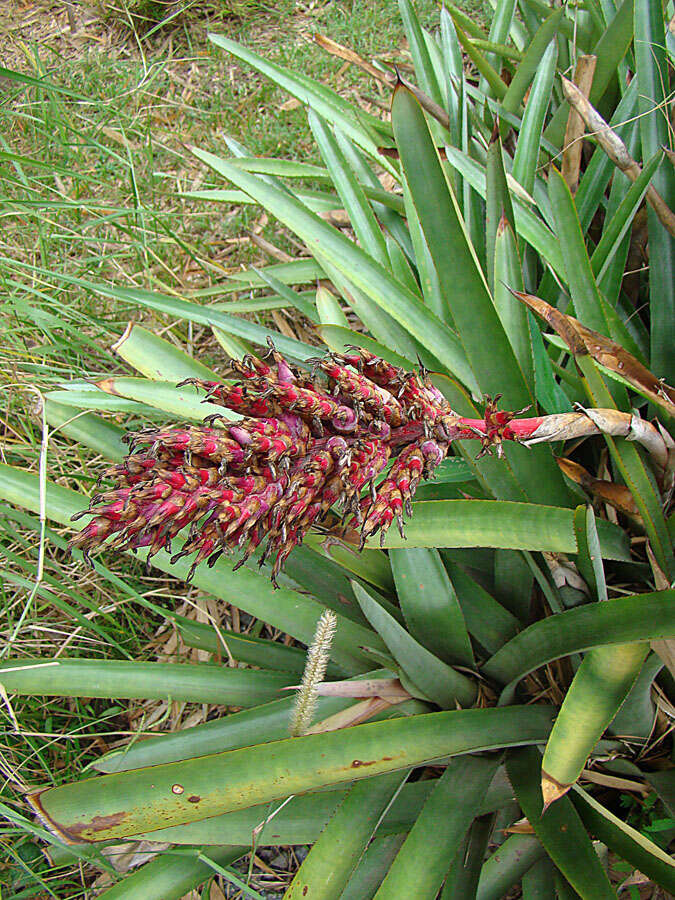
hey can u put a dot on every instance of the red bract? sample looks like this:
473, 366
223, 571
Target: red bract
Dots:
309, 442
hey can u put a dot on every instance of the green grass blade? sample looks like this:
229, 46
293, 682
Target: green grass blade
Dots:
326, 869
430, 606
129, 803
642, 617
421, 864
560, 829
438, 681
141, 680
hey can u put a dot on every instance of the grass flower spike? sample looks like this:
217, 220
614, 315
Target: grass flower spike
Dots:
318, 657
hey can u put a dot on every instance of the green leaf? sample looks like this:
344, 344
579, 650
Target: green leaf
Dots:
268, 722
529, 66
633, 469
454, 259
421, 863
599, 687
242, 647
438, 681
430, 606
583, 288
512, 313
498, 208
560, 830
303, 819
642, 617
329, 310
539, 881
487, 620
500, 28
375, 281
292, 298
652, 73
158, 359
143, 800
173, 874
507, 865
609, 50
526, 158
628, 843
286, 609
358, 209
615, 230
497, 87
424, 69
110, 678
325, 871
589, 559
372, 868
326, 102
182, 403
528, 225
89, 429
462, 878
505, 524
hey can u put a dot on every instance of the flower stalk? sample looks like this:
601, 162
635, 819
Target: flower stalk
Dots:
309, 443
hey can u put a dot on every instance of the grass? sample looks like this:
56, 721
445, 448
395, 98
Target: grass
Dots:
90, 186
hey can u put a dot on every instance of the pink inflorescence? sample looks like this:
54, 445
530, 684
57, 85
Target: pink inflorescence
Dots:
308, 441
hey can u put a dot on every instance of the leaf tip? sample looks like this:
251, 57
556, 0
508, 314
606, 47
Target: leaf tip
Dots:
551, 790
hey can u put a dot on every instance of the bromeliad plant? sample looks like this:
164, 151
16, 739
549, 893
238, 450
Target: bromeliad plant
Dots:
528, 585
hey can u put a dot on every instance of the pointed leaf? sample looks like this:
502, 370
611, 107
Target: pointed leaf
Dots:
438, 681
429, 604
